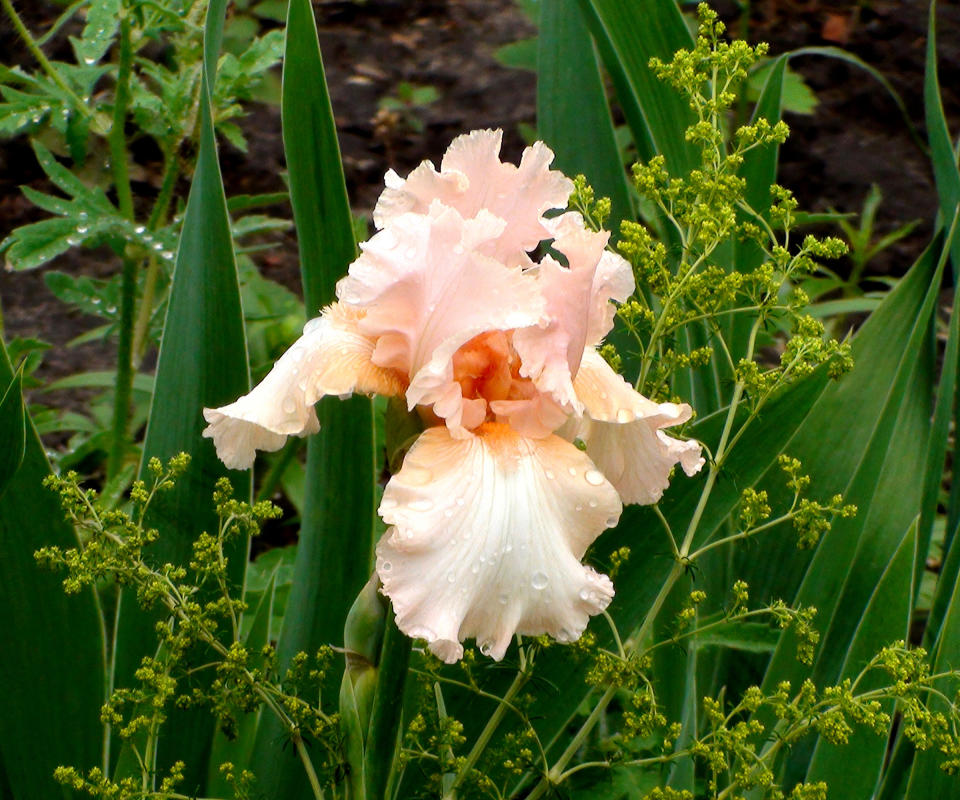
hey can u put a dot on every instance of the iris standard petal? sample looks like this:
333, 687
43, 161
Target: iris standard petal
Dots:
429, 291
331, 357
486, 539
471, 179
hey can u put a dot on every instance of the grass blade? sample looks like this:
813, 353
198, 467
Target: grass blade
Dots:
628, 35
572, 112
334, 557
53, 671
202, 362
857, 765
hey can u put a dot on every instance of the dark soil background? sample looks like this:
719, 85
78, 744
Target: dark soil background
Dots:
856, 136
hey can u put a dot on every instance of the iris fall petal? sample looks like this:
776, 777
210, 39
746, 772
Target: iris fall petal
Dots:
486, 539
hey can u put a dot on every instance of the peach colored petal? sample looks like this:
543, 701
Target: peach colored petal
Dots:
621, 429
428, 291
472, 178
332, 357
486, 539
551, 354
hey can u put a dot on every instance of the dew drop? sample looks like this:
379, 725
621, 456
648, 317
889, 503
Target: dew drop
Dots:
502, 598
451, 577
460, 501
624, 415
584, 594
289, 405
593, 477
475, 569
111, 309
572, 470
612, 522
82, 229
539, 580
423, 504
578, 507
139, 229
550, 474
386, 566
603, 395
167, 254
89, 61
593, 504
508, 548
486, 647
158, 246
422, 632
73, 241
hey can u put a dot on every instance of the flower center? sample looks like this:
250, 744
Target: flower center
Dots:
488, 368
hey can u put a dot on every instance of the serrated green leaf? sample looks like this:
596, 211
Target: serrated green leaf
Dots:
103, 21
51, 703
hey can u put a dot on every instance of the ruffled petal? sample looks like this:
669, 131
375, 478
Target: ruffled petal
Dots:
332, 357
428, 291
472, 178
486, 539
621, 429
551, 354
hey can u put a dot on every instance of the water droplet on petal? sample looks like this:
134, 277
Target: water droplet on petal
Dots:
503, 598
625, 415
167, 254
157, 246
550, 474
592, 504
448, 512
82, 229
475, 569
386, 566
423, 504
486, 647
572, 470
584, 594
539, 580
460, 501
593, 477
289, 405
139, 229
451, 577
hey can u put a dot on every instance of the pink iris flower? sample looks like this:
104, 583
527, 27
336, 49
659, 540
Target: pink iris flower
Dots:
494, 505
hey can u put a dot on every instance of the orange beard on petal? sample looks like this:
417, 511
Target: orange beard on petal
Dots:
488, 368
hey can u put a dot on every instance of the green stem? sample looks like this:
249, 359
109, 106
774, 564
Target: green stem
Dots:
487, 733
379, 754
37, 53
308, 768
128, 290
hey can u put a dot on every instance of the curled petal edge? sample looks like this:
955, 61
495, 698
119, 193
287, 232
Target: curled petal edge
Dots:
486, 536
332, 357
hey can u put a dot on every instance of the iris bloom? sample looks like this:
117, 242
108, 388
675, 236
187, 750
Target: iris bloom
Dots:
494, 505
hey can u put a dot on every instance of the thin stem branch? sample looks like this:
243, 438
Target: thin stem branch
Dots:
128, 291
